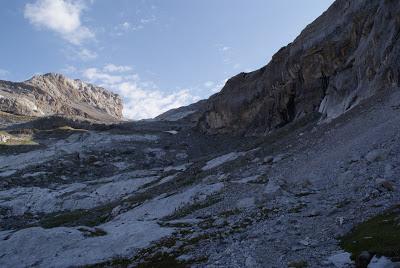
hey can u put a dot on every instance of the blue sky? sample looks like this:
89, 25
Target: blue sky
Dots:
157, 54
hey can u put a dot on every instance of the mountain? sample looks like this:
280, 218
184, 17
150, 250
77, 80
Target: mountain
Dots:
54, 94
347, 55
301, 170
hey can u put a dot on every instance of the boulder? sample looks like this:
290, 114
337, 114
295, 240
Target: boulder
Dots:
376, 155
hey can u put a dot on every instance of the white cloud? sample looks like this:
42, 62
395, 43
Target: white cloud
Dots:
218, 86
236, 66
209, 84
141, 99
223, 48
4, 73
148, 20
116, 69
125, 27
69, 69
98, 76
128, 26
79, 53
60, 16
86, 54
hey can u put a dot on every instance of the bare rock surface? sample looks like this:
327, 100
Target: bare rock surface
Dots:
126, 195
345, 56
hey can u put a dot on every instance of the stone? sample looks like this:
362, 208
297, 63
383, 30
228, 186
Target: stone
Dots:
272, 189
250, 262
4, 138
181, 156
314, 213
278, 158
305, 242
363, 259
341, 259
268, 159
99, 164
385, 184
376, 155
382, 262
389, 173
246, 203
355, 158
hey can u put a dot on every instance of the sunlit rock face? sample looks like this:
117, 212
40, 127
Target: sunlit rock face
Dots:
345, 56
51, 94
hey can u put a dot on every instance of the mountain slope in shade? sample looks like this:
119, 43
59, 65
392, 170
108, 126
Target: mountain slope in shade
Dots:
51, 94
345, 56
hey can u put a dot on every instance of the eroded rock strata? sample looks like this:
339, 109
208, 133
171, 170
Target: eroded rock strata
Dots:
345, 56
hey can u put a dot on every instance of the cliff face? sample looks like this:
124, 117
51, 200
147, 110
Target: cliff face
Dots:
345, 56
51, 94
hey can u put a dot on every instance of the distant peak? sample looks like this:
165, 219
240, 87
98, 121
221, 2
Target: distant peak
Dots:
47, 75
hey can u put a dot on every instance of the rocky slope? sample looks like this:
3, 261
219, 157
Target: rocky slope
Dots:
51, 94
160, 193
346, 55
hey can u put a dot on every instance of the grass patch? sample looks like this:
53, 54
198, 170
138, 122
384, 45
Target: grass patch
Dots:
230, 212
298, 264
16, 140
93, 233
162, 260
68, 128
117, 262
343, 203
91, 218
15, 118
298, 208
189, 209
379, 235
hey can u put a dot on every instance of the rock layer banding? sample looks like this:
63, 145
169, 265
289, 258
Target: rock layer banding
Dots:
345, 56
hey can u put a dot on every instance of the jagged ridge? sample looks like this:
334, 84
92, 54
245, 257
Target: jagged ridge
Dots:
50, 94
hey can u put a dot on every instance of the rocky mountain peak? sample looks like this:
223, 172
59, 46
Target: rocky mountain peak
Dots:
54, 93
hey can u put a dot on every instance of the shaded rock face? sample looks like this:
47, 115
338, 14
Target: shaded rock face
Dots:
347, 55
51, 94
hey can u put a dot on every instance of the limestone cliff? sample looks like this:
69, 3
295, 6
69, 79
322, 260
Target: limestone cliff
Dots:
347, 55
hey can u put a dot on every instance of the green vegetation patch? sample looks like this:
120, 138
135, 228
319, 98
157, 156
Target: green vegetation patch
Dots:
93, 233
91, 218
379, 235
16, 140
298, 264
191, 208
162, 260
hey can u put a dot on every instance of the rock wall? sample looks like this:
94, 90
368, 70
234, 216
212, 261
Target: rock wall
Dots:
345, 56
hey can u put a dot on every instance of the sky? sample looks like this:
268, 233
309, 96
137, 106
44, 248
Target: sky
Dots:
157, 54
